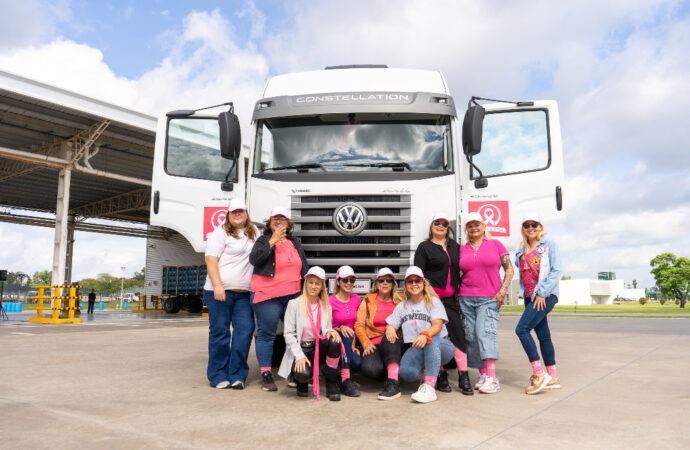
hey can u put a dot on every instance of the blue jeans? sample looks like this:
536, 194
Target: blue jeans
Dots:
536, 320
268, 314
416, 362
354, 361
228, 361
480, 315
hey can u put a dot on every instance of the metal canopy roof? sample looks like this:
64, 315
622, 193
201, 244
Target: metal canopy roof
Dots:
44, 129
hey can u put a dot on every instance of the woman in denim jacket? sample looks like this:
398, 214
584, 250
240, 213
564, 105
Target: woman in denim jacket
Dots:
539, 264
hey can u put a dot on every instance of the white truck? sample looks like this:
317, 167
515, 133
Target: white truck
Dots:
363, 156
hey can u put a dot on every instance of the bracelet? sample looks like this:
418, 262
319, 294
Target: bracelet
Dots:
429, 339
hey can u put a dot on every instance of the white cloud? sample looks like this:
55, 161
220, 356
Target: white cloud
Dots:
619, 70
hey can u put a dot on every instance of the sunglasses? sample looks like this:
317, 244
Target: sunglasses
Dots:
350, 280
414, 280
279, 218
443, 223
388, 280
238, 211
527, 225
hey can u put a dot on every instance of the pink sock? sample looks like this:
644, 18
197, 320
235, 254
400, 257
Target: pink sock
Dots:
490, 365
344, 374
332, 362
265, 369
460, 360
536, 367
482, 371
431, 381
552, 371
393, 369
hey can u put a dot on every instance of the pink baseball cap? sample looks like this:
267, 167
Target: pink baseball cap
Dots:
385, 271
344, 272
317, 272
414, 271
280, 211
235, 204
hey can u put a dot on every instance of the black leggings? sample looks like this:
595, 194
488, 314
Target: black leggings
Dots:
375, 364
327, 348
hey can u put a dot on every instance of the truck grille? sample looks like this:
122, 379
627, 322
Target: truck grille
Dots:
384, 242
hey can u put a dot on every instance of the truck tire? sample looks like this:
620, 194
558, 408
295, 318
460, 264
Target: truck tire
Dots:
171, 305
194, 304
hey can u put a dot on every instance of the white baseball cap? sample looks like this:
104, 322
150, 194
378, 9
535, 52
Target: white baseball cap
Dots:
385, 271
280, 211
344, 272
441, 216
318, 272
414, 271
531, 216
235, 204
474, 217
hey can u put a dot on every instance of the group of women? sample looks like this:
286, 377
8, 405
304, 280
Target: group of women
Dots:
444, 316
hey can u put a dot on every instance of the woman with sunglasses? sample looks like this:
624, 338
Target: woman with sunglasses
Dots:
344, 304
380, 355
422, 319
311, 340
539, 262
481, 296
437, 256
227, 298
279, 265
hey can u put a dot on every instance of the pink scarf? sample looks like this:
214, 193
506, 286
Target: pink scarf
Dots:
317, 360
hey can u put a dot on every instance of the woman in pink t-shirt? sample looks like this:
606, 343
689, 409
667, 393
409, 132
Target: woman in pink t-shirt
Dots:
279, 265
345, 304
481, 296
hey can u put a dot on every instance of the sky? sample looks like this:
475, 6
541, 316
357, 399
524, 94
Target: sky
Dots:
619, 70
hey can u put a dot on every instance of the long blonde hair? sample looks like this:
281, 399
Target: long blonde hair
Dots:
323, 297
428, 294
542, 232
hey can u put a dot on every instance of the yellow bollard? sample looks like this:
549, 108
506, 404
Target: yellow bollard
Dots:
57, 302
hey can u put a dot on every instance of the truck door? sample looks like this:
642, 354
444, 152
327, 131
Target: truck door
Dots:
519, 168
188, 175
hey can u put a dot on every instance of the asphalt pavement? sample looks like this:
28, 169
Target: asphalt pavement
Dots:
127, 380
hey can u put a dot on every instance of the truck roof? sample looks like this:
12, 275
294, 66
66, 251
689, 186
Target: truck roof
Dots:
356, 79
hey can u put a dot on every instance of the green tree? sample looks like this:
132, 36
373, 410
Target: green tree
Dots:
43, 278
672, 275
141, 276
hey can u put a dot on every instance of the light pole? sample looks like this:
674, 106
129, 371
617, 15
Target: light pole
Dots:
122, 286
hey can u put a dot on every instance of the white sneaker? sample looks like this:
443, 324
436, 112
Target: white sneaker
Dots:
223, 385
480, 382
491, 386
425, 394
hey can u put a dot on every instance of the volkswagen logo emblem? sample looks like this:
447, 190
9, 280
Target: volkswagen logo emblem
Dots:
349, 219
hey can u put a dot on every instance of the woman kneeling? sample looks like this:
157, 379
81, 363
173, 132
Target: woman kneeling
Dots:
310, 339
422, 318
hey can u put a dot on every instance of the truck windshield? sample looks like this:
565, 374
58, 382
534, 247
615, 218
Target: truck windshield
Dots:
354, 142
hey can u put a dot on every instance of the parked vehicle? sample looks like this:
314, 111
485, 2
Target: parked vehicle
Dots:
362, 156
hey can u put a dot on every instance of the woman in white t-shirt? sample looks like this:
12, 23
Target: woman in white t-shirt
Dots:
422, 318
227, 298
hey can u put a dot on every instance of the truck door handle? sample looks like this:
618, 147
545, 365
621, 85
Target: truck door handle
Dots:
156, 201
559, 198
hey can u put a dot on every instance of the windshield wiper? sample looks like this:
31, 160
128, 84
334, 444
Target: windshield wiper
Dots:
397, 166
301, 168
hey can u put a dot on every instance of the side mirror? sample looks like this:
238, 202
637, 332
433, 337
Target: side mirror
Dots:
230, 135
472, 127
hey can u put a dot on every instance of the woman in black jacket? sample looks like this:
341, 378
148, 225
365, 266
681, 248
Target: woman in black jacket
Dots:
279, 265
438, 257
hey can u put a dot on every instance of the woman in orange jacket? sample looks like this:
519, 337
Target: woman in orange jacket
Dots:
380, 355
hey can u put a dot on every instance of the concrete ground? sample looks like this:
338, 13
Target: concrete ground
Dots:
123, 380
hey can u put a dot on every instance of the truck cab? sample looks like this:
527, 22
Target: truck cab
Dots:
363, 157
